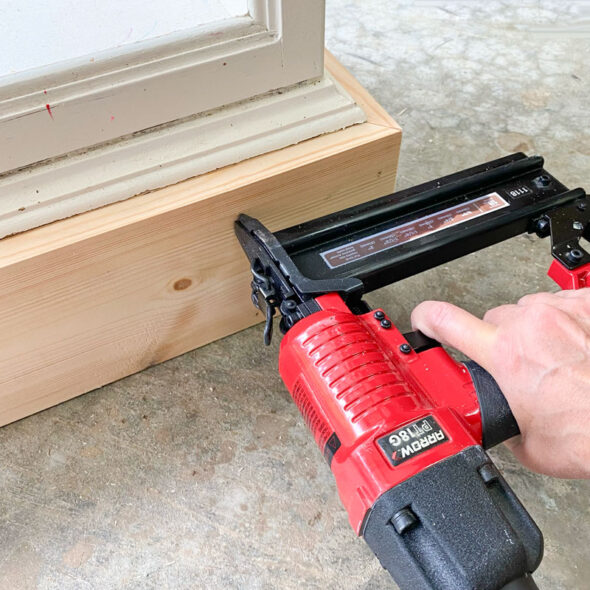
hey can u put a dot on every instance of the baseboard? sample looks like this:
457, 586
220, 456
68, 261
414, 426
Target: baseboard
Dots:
162, 156
98, 296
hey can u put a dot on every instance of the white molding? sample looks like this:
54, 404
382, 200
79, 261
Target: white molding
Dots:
162, 156
100, 98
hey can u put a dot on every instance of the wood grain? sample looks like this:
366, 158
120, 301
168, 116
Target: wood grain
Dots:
96, 297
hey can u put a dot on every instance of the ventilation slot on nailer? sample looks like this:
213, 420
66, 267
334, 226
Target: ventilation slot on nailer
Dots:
315, 422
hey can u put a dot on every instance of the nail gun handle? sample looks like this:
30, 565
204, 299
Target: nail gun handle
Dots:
497, 421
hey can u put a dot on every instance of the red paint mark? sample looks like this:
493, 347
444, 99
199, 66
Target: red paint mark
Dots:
45, 92
49, 110
112, 117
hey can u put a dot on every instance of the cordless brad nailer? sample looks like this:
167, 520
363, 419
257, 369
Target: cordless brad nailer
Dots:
403, 426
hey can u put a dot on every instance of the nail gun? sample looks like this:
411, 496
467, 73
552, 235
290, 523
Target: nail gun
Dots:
403, 426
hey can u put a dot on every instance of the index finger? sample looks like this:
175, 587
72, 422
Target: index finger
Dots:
456, 327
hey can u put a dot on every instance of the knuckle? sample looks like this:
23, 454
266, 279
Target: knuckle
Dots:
580, 307
535, 298
439, 313
543, 313
527, 299
494, 314
500, 314
581, 455
490, 315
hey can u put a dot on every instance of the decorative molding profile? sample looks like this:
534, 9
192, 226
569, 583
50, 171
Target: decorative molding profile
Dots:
99, 98
146, 161
136, 120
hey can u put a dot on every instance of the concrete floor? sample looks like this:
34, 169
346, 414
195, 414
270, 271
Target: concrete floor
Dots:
199, 473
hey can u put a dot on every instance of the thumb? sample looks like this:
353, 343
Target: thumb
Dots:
456, 327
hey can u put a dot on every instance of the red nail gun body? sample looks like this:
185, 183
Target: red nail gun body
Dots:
403, 426
379, 415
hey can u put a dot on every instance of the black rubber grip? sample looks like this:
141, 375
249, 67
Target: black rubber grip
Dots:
497, 421
526, 583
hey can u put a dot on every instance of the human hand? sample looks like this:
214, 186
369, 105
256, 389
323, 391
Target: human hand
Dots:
539, 353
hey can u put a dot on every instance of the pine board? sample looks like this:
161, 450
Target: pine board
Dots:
96, 297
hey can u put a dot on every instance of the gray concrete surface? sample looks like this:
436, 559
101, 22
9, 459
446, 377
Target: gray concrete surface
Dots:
199, 473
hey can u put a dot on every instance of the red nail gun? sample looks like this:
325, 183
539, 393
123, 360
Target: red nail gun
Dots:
403, 426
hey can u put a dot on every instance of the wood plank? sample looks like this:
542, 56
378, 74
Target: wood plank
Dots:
96, 297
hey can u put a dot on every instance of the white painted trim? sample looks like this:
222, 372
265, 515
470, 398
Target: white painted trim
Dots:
116, 171
112, 94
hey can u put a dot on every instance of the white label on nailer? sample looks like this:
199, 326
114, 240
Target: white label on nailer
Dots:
402, 234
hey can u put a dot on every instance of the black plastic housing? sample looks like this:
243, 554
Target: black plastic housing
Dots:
497, 421
461, 528
521, 181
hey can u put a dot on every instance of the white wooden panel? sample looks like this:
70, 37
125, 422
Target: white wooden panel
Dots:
66, 29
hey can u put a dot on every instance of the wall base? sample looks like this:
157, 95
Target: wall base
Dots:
93, 298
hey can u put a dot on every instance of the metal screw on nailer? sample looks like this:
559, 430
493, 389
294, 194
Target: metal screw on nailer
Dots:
542, 181
542, 227
578, 225
582, 206
379, 315
405, 348
404, 520
489, 473
289, 304
575, 255
386, 324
